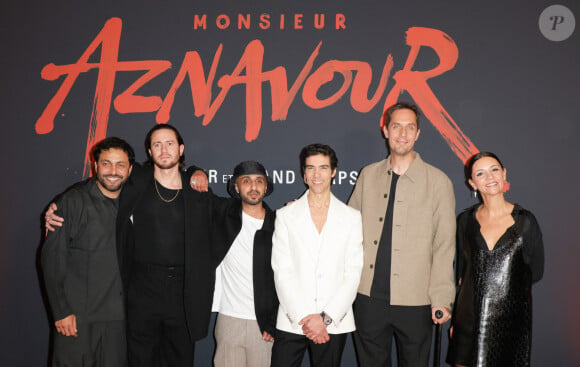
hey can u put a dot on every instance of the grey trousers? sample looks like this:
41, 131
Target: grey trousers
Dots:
240, 343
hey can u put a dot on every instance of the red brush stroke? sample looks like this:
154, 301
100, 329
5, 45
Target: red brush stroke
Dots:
356, 75
415, 83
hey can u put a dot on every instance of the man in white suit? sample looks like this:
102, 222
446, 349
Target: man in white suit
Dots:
317, 259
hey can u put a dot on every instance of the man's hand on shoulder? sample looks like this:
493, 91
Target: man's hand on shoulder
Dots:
199, 181
52, 220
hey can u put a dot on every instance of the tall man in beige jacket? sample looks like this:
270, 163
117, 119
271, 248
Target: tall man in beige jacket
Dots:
408, 213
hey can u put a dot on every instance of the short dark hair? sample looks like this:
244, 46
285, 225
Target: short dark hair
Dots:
113, 143
400, 106
148, 141
475, 158
314, 149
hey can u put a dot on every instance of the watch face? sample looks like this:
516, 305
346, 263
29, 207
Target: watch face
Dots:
327, 320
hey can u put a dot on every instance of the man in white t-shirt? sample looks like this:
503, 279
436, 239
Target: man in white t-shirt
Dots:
245, 296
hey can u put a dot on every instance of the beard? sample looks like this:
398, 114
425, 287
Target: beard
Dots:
112, 187
251, 201
166, 164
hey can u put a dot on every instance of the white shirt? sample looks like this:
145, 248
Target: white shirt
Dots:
234, 288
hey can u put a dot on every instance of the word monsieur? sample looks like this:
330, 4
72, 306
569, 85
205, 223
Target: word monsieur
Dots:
271, 21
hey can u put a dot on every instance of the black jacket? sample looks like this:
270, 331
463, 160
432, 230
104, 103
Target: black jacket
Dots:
201, 256
79, 260
227, 223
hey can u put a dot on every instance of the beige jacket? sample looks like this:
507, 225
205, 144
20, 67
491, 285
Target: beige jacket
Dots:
423, 241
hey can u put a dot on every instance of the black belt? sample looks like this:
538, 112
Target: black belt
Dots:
169, 271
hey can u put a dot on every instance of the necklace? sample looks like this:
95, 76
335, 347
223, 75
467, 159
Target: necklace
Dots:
161, 197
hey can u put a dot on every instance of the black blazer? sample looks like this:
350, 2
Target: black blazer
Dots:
227, 223
201, 258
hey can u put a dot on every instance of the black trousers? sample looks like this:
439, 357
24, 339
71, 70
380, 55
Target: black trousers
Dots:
377, 323
98, 344
289, 349
157, 332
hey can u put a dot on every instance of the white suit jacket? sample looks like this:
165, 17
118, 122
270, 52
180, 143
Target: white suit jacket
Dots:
317, 272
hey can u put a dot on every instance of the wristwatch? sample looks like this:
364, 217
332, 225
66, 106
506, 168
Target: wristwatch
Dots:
325, 318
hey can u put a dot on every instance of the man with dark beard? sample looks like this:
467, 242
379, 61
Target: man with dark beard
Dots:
80, 268
244, 295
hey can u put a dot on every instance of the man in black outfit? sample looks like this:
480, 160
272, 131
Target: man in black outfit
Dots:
166, 259
80, 268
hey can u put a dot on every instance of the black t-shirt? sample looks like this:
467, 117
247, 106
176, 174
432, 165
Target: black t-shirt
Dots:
381, 287
160, 227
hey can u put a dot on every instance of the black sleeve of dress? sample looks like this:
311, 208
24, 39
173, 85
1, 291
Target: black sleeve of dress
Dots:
460, 243
533, 247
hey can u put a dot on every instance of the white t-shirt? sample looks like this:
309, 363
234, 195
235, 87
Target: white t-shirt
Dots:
234, 286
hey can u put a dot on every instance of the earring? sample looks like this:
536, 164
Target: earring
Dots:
474, 194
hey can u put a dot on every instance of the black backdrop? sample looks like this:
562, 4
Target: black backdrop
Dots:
500, 83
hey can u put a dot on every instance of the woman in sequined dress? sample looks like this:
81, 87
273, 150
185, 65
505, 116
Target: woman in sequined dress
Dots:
500, 254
